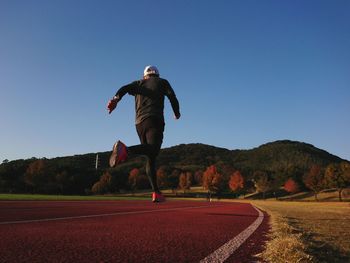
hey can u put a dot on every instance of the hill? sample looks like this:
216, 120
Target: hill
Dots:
280, 159
283, 157
274, 156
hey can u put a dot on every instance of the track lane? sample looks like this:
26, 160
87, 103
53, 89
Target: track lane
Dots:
183, 232
38, 210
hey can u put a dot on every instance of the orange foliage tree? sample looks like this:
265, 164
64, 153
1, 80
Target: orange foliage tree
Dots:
291, 186
137, 180
37, 175
103, 185
236, 182
162, 175
212, 179
185, 181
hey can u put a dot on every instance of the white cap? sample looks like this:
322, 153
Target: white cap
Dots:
149, 70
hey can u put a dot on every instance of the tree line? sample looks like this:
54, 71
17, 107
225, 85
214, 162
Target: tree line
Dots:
45, 177
217, 181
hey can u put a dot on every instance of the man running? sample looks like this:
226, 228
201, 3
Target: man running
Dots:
149, 95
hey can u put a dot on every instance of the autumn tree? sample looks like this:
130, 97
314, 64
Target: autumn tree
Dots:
208, 175
185, 181
291, 186
262, 182
337, 175
162, 177
106, 180
212, 179
314, 180
236, 182
103, 185
34, 170
137, 180
97, 188
189, 180
36, 175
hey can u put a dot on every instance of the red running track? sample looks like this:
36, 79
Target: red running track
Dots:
125, 231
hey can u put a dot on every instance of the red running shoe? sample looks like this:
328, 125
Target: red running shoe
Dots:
119, 154
157, 197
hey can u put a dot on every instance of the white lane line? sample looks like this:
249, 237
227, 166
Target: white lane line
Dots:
102, 215
226, 250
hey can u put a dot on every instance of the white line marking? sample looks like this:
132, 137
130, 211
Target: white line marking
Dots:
101, 215
226, 250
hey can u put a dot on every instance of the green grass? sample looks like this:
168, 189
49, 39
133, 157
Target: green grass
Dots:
37, 197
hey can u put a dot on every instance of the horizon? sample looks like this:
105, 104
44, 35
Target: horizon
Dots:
245, 73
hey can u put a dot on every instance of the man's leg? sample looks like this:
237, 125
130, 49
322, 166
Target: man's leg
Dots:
152, 174
149, 151
154, 137
150, 132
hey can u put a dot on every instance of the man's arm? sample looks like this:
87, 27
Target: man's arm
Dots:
112, 103
132, 89
169, 92
129, 88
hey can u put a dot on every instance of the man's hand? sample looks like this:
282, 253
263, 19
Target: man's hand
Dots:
177, 116
112, 104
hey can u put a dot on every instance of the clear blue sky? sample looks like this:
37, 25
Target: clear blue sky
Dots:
245, 72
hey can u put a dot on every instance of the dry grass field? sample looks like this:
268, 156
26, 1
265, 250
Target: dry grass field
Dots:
329, 195
308, 231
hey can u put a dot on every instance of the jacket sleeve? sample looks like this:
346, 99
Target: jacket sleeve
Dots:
133, 88
169, 92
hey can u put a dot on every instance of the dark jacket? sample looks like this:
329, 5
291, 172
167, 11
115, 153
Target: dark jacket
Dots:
149, 97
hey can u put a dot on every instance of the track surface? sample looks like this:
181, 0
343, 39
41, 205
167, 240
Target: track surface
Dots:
125, 231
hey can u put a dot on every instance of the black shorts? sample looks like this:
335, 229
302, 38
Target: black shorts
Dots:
150, 132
